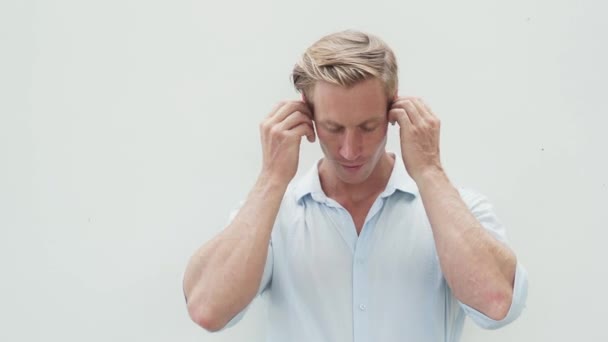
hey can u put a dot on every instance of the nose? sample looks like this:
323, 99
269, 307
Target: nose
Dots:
351, 145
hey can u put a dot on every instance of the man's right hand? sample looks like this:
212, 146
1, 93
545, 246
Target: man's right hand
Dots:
281, 133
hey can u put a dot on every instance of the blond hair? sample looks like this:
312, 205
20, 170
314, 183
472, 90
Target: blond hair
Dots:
345, 58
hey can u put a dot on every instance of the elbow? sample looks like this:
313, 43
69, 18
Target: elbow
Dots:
499, 305
201, 311
204, 316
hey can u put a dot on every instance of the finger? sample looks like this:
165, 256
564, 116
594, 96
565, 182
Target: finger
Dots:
293, 120
428, 108
422, 109
410, 109
400, 116
303, 129
288, 109
275, 108
393, 115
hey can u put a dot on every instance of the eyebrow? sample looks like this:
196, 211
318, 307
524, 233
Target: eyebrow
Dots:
368, 121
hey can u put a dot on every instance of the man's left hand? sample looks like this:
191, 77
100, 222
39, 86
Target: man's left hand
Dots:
419, 131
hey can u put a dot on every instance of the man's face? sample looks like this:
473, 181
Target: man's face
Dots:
351, 126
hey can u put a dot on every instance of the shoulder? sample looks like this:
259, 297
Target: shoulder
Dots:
472, 197
484, 211
293, 198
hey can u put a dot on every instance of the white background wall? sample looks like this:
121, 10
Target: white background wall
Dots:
129, 130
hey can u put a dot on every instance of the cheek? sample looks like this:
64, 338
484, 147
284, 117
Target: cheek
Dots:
321, 134
375, 139
326, 139
324, 143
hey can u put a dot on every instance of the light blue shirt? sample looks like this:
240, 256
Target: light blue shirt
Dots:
326, 283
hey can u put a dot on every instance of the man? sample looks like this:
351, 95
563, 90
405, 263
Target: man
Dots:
369, 245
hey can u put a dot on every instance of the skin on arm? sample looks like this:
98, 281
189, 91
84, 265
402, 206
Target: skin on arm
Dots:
223, 275
479, 269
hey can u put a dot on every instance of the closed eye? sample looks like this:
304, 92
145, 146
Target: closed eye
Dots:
369, 128
334, 129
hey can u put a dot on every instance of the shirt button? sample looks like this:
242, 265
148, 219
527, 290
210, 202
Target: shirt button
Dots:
362, 307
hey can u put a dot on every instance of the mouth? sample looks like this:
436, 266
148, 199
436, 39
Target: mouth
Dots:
351, 167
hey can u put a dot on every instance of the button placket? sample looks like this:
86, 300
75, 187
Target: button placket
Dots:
361, 287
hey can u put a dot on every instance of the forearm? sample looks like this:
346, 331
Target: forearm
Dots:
223, 276
479, 269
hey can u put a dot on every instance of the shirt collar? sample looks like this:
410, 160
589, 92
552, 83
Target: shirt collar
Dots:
399, 180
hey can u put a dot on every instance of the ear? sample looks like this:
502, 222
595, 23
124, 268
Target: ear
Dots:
308, 104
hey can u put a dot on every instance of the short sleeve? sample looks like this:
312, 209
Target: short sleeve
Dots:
520, 293
484, 212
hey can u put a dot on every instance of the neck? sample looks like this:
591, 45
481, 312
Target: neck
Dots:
353, 193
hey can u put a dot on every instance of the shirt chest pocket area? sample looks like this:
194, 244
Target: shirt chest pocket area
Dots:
316, 258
